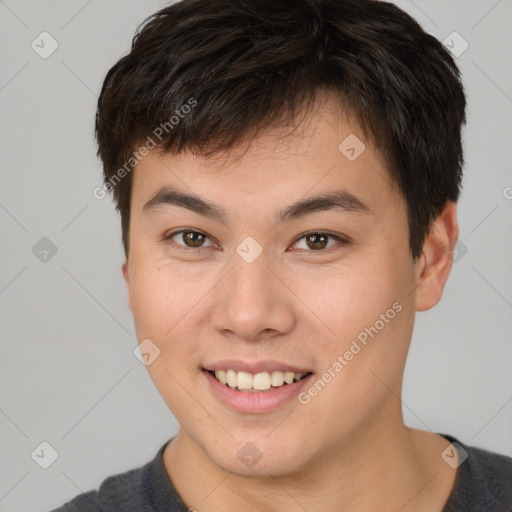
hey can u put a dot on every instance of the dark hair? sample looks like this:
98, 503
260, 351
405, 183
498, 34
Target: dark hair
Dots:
250, 65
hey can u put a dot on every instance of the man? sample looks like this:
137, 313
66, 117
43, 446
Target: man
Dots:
287, 176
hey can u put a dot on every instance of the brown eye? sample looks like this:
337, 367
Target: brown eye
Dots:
189, 239
193, 238
317, 241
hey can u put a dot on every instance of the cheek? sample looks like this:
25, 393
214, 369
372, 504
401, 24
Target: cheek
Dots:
358, 377
161, 312
349, 299
159, 293
152, 301
165, 306
369, 314
155, 305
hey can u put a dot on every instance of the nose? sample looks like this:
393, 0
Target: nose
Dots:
253, 303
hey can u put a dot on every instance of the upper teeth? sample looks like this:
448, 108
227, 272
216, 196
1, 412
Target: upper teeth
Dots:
258, 381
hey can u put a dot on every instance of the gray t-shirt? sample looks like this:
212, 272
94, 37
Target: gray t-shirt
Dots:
483, 484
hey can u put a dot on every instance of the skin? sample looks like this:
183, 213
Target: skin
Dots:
349, 444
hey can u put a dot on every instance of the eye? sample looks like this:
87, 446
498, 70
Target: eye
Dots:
317, 241
190, 238
314, 241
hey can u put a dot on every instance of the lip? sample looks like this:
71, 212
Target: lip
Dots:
268, 365
254, 403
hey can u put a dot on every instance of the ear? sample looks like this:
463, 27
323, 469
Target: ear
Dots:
126, 276
434, 265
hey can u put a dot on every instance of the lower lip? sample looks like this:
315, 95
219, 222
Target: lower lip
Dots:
258, 402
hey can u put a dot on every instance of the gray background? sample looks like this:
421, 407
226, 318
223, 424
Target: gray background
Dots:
67, 371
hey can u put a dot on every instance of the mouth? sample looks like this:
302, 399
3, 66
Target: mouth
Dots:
255, 387
260, 382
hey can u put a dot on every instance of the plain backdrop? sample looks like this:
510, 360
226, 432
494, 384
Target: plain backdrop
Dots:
68, 375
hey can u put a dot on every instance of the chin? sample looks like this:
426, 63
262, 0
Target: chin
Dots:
258, 455
273, 465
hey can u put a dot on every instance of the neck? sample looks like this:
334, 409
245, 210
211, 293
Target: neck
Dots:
384, 466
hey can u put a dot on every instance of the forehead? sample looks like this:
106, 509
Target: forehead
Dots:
325, 152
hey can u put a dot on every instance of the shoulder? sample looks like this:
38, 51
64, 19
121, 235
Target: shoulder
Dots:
483, 482
122, 491
114, 492
491, 473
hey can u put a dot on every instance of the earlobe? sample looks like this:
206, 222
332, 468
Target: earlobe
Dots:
435, 263
126, 276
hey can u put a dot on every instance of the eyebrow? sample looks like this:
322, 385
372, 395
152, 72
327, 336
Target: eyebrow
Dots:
336, 199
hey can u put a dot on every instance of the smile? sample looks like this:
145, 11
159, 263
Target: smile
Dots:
255, 388
257, 382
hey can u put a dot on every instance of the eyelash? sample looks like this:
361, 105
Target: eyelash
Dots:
182, 248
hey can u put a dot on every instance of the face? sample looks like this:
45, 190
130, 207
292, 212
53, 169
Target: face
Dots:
255, 278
